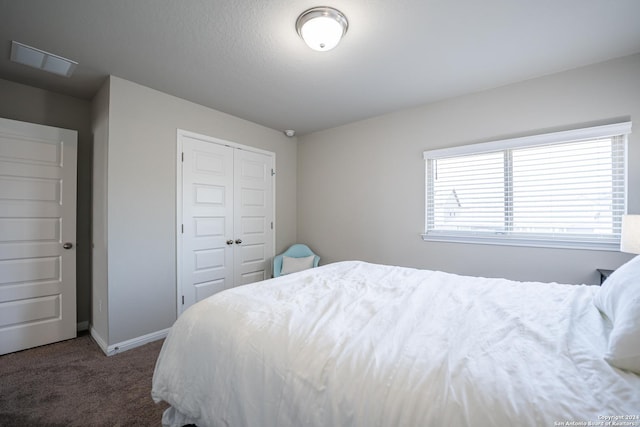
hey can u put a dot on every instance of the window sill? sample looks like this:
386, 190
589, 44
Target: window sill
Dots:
513, 241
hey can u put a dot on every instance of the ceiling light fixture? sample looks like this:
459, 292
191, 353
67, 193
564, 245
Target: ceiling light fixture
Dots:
27, 55
322, 27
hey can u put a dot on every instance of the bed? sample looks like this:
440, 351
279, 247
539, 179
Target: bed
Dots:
360, 344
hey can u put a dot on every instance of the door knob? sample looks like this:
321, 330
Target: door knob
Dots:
229, 242
238, 241
67, 245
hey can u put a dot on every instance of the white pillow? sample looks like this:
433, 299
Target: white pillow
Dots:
292, 265
619, 300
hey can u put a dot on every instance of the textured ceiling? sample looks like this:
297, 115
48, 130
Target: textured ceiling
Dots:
244, 57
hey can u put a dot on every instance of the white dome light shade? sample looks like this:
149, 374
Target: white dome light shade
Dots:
321, 28
321, 33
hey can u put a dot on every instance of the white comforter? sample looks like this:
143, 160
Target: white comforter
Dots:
357, 344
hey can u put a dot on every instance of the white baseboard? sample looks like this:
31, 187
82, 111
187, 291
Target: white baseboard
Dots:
82, 326
99, 340
110, 350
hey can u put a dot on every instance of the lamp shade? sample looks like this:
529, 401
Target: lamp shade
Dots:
630, 240
322, 28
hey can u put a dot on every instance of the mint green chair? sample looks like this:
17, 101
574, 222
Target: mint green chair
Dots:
295, 251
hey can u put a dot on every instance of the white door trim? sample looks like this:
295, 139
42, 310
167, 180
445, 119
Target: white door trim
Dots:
181, 133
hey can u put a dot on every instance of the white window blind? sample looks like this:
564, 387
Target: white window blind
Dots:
563, 189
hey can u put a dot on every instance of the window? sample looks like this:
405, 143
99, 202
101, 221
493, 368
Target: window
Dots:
564, 189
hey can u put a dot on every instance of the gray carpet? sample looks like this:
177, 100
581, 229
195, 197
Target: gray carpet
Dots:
72, 383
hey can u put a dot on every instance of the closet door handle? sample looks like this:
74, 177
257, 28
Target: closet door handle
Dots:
238, 241
229, 242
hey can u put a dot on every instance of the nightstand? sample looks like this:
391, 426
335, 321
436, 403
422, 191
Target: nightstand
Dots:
604, 274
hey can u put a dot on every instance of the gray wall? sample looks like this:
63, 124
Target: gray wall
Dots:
29, 104
100, 276
361, 186
141, 198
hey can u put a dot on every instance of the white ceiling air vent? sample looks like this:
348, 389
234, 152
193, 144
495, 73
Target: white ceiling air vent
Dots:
36, 58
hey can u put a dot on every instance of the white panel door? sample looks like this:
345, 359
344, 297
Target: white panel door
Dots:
207, 219
226, 235
37, 235
253, 216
